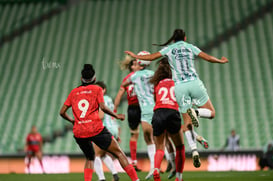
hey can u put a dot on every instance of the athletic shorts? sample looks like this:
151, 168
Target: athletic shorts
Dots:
147, 113
166, 119
102, 140
190, 93
31, 152
134, 114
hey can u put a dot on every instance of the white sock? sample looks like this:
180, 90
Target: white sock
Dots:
172, 159
179, 176
204, 113
151, 154
110, 164
167, 154
98, 168
191, 141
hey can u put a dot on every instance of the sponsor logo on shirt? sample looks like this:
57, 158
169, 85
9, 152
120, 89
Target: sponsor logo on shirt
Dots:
85, 121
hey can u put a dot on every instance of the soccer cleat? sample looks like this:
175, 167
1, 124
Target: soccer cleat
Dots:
115, 177
150, 175
177, 179
156, 174
191, 112
196, 159
172, 174
202, 141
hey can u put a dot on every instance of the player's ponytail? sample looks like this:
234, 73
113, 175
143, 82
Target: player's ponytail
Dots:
127, 63
88, 74
163, 71
178, 35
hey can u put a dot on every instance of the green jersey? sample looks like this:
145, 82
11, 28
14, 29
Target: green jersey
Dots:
181, 59
143, 88
108, 121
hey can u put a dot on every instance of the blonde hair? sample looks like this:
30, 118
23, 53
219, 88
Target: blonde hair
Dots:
126, 63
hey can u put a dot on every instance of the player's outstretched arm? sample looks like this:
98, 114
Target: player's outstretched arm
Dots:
212, 59
149, 57
125, 83
64, 114
106, 110
118, 98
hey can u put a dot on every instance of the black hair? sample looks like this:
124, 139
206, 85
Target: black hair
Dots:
88, 74
178, 35
101, 84
163, 71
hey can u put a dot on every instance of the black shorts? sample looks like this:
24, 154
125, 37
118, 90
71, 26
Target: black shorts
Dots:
134, 116
166, 119
102, 140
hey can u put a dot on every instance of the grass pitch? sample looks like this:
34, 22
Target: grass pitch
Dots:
187, 176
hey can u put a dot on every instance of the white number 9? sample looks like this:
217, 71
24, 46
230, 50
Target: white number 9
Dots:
83, 105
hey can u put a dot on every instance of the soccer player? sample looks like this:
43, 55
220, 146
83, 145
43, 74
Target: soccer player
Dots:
86, 100
189, 88
144, 91
111, 124
33, 147
166, 118
133, 111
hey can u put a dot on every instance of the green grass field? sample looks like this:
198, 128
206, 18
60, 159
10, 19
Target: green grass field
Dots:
187, 176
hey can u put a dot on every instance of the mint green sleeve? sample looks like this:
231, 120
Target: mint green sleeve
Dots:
195, 50
164, 51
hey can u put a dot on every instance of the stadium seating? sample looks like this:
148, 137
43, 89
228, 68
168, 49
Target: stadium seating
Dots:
40, 67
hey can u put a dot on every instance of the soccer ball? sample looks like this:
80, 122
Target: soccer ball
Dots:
143, 62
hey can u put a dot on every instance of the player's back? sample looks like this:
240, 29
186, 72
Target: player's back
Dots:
108, 121
85, 106
143, 87
165, 97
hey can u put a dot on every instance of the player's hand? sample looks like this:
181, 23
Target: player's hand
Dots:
130, 53
118, 140
72, 121
121, 117
224, 60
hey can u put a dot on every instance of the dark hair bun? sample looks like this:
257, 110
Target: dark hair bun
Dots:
87, 67
88, 71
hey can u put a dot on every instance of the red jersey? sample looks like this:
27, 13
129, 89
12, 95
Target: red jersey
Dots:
33, 141
164, 94
85, 106
131, 94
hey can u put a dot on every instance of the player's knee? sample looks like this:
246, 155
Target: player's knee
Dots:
189, 126
212, 114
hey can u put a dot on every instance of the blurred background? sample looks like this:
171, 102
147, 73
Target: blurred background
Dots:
44, 44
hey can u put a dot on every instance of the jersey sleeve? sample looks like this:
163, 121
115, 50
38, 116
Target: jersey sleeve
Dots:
68, 100
123, 81
195, 50
164, 51
131, 78
100, 96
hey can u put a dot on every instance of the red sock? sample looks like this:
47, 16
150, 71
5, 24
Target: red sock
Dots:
180, 158
158, 158
88, 174
131, 172
133, 149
